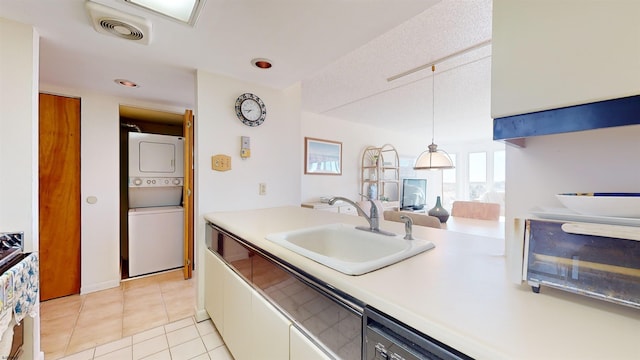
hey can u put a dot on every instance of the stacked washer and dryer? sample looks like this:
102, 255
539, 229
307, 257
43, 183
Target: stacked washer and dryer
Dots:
156, 174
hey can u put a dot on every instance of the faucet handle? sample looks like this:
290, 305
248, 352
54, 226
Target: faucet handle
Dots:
408, 224
373, 210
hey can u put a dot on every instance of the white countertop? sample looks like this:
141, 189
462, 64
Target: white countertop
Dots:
459, 293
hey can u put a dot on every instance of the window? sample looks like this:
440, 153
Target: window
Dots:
477, 175
449, 187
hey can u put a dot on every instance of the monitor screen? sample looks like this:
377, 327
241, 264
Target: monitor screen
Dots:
414, 194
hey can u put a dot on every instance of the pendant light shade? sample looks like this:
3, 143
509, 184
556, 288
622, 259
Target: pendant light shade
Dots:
432, 158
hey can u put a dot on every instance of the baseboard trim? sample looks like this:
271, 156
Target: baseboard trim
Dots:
100, 286
201, 315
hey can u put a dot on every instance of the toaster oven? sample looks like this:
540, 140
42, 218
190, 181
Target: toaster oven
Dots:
596, 260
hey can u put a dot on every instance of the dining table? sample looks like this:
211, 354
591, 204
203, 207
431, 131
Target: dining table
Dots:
488, 228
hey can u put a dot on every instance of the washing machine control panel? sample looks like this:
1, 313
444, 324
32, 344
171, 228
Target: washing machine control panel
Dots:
154, 181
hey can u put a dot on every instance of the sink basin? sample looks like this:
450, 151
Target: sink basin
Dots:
344, 248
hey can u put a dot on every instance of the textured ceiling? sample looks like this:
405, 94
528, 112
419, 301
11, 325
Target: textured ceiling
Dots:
341, 51
355, 87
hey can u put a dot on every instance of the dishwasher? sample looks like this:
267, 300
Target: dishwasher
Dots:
387, 339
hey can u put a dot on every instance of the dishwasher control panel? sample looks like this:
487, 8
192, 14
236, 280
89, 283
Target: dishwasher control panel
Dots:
388, 339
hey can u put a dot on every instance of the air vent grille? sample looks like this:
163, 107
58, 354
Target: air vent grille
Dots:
121, 29
110, 21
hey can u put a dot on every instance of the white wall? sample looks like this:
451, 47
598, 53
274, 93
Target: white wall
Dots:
19, 130
19, 46
275, 153
604, 160
355, 137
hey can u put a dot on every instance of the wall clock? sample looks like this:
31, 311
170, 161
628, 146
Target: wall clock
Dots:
250, 109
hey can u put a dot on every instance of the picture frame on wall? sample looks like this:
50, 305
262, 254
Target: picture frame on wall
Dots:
322, 157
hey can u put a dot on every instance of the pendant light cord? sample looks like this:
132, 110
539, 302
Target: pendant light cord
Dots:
433, 103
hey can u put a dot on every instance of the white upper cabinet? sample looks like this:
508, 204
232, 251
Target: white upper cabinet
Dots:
550, 54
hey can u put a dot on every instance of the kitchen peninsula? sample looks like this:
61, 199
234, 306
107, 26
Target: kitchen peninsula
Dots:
458, 293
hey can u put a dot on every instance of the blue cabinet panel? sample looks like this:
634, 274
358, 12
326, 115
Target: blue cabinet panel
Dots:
601, 114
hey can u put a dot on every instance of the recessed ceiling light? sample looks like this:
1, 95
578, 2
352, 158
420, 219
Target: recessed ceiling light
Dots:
126, 83
185, 11
261, 63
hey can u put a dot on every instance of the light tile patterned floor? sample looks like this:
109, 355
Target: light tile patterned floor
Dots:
180, 340
160, 305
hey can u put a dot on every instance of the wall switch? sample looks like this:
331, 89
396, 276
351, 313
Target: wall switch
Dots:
262, 189
221, 162
245, 147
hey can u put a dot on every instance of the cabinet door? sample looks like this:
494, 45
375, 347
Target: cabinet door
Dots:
550, 54
269, 331
214, 270
301, 348
237, 315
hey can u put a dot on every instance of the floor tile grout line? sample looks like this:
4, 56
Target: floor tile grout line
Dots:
164, 305
75, 324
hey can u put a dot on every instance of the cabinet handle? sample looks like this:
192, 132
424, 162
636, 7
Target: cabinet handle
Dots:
612, 231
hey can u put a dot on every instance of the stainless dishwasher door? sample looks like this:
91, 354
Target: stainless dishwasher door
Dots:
387, 339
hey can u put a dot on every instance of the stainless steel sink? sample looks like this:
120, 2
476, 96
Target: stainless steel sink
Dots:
348, 250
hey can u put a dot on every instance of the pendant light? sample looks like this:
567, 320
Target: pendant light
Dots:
432, 158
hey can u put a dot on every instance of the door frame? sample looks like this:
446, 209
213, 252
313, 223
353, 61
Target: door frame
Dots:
187, 193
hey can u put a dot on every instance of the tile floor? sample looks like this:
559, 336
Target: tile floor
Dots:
150, 316
180, 340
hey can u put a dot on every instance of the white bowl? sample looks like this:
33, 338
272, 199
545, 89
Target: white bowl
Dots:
603, 204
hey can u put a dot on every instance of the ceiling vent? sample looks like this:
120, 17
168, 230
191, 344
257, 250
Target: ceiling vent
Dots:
113, 22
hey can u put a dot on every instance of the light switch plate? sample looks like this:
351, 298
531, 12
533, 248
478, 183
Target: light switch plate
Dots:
221, 162
245, 147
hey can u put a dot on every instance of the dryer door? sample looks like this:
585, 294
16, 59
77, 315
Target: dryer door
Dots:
157, 157
153, 155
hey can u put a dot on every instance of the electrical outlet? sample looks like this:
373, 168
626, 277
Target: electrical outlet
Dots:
262, 189
221, 162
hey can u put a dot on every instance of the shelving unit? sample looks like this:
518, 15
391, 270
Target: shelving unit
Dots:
381, 169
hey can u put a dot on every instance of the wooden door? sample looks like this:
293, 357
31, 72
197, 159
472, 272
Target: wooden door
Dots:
187, 193
59, 196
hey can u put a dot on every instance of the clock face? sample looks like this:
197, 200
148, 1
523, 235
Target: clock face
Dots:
250, 109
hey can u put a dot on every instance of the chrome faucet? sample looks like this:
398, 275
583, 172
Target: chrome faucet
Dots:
373, 218
408, 224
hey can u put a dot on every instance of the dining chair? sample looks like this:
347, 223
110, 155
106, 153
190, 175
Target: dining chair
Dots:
476, 210
417, 218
